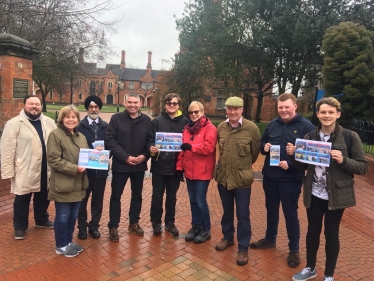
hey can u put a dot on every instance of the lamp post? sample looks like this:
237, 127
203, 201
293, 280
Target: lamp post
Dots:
119, 86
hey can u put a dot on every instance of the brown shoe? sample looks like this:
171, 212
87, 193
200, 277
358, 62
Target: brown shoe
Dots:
113, 234
262, 244
223, 244
293, 259
242, 258
135, 227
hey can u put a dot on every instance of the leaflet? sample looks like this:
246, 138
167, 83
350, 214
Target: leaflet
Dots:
274, 155
168, 141
98, 145
313, 152
94, 159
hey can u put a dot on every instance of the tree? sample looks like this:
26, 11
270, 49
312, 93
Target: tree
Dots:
348, 71
58, 29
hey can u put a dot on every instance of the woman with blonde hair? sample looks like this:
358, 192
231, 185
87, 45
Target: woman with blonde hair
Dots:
68, 181
197, 161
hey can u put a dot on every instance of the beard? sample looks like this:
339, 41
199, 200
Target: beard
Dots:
33, 116
93, 116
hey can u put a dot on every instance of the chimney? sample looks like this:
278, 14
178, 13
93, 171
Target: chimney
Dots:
80, 56
149, 65
123, 63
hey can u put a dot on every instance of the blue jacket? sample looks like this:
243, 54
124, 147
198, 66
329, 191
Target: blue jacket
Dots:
91, 137
279, 133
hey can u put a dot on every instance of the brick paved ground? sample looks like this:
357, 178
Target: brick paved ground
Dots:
168, 258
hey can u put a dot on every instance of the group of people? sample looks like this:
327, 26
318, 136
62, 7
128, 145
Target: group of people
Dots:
31, 143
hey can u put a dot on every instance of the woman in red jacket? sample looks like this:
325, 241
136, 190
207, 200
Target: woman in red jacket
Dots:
197, 161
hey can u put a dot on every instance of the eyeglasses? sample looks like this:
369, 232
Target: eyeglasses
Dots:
172, 103
194, 112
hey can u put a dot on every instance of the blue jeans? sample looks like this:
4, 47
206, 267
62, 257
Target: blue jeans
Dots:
240, 197
197, 190
66, 217
287, 192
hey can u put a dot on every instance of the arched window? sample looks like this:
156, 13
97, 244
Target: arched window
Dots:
92, 87
110, 85
80, 96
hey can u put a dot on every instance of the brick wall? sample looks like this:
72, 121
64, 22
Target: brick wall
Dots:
6, 199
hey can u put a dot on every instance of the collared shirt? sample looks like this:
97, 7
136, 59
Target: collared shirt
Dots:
90, 120
240, 122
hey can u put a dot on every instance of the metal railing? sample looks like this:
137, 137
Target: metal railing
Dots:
365, 129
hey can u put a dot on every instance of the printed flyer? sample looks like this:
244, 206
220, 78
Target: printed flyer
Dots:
313, 152
274, 155
94, 159
168, 141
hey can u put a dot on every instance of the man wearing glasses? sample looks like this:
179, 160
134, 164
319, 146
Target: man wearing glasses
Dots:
163, 167
239, 146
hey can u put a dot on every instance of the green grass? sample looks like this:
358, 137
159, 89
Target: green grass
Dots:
106, 108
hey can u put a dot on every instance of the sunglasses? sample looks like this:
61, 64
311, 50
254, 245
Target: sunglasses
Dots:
172, 103
194, 112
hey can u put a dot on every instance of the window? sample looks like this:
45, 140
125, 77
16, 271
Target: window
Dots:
50, 94
92, 87
80, 96
131, 85
79, 82
220, 99
147, 86
110, 85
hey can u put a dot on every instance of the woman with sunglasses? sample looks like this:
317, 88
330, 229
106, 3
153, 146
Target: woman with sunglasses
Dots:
197, 160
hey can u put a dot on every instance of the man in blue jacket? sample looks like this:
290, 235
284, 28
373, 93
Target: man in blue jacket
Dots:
282, 183
93, 128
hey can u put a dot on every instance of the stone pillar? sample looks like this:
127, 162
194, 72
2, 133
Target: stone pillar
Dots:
16, 56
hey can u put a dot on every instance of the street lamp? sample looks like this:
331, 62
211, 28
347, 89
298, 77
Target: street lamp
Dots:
119, 86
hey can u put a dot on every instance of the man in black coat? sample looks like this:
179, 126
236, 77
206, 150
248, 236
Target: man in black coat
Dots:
126, 139
93, 128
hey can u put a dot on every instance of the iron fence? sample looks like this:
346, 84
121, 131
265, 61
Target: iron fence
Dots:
365, 129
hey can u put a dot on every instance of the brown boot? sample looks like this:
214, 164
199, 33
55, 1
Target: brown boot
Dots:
293, 259
135, 228
242, 258
223, 244
113, 234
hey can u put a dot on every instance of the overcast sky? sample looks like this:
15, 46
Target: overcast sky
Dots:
148, 25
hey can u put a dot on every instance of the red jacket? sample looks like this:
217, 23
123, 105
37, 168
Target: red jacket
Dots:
198, 164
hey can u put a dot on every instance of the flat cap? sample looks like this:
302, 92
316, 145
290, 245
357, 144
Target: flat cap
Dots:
94, 99
234, 101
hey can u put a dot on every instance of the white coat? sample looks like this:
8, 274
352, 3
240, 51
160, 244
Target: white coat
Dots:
21, 153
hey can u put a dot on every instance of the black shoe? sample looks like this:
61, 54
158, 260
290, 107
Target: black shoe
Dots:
293, 259
94, 233
172, 229
48, 224
192, 233
19, 234
82, 234
156, 228
203, 235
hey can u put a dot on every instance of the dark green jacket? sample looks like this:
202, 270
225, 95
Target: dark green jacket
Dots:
238, 150
339, 177
66, 185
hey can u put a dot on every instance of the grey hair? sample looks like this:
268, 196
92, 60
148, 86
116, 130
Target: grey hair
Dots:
132, 95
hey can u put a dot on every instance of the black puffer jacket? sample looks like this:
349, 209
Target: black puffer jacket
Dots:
164, 163
91, 137
127, 136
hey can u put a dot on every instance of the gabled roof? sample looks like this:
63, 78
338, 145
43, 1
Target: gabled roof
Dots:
129, 74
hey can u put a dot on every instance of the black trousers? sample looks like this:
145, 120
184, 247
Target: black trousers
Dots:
160, 183
118, 184
96, 189
21, 207
316, 212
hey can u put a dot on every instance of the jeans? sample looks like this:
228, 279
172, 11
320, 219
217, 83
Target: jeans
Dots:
66, 216
21, 207
119, 181
197, 190
160, 183
315, 213
240, 197
288, 193
96, 188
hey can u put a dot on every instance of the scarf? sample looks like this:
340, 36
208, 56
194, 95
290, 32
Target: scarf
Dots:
194, 127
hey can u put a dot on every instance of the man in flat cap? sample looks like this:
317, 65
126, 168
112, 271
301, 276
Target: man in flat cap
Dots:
239, 146
94, 128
